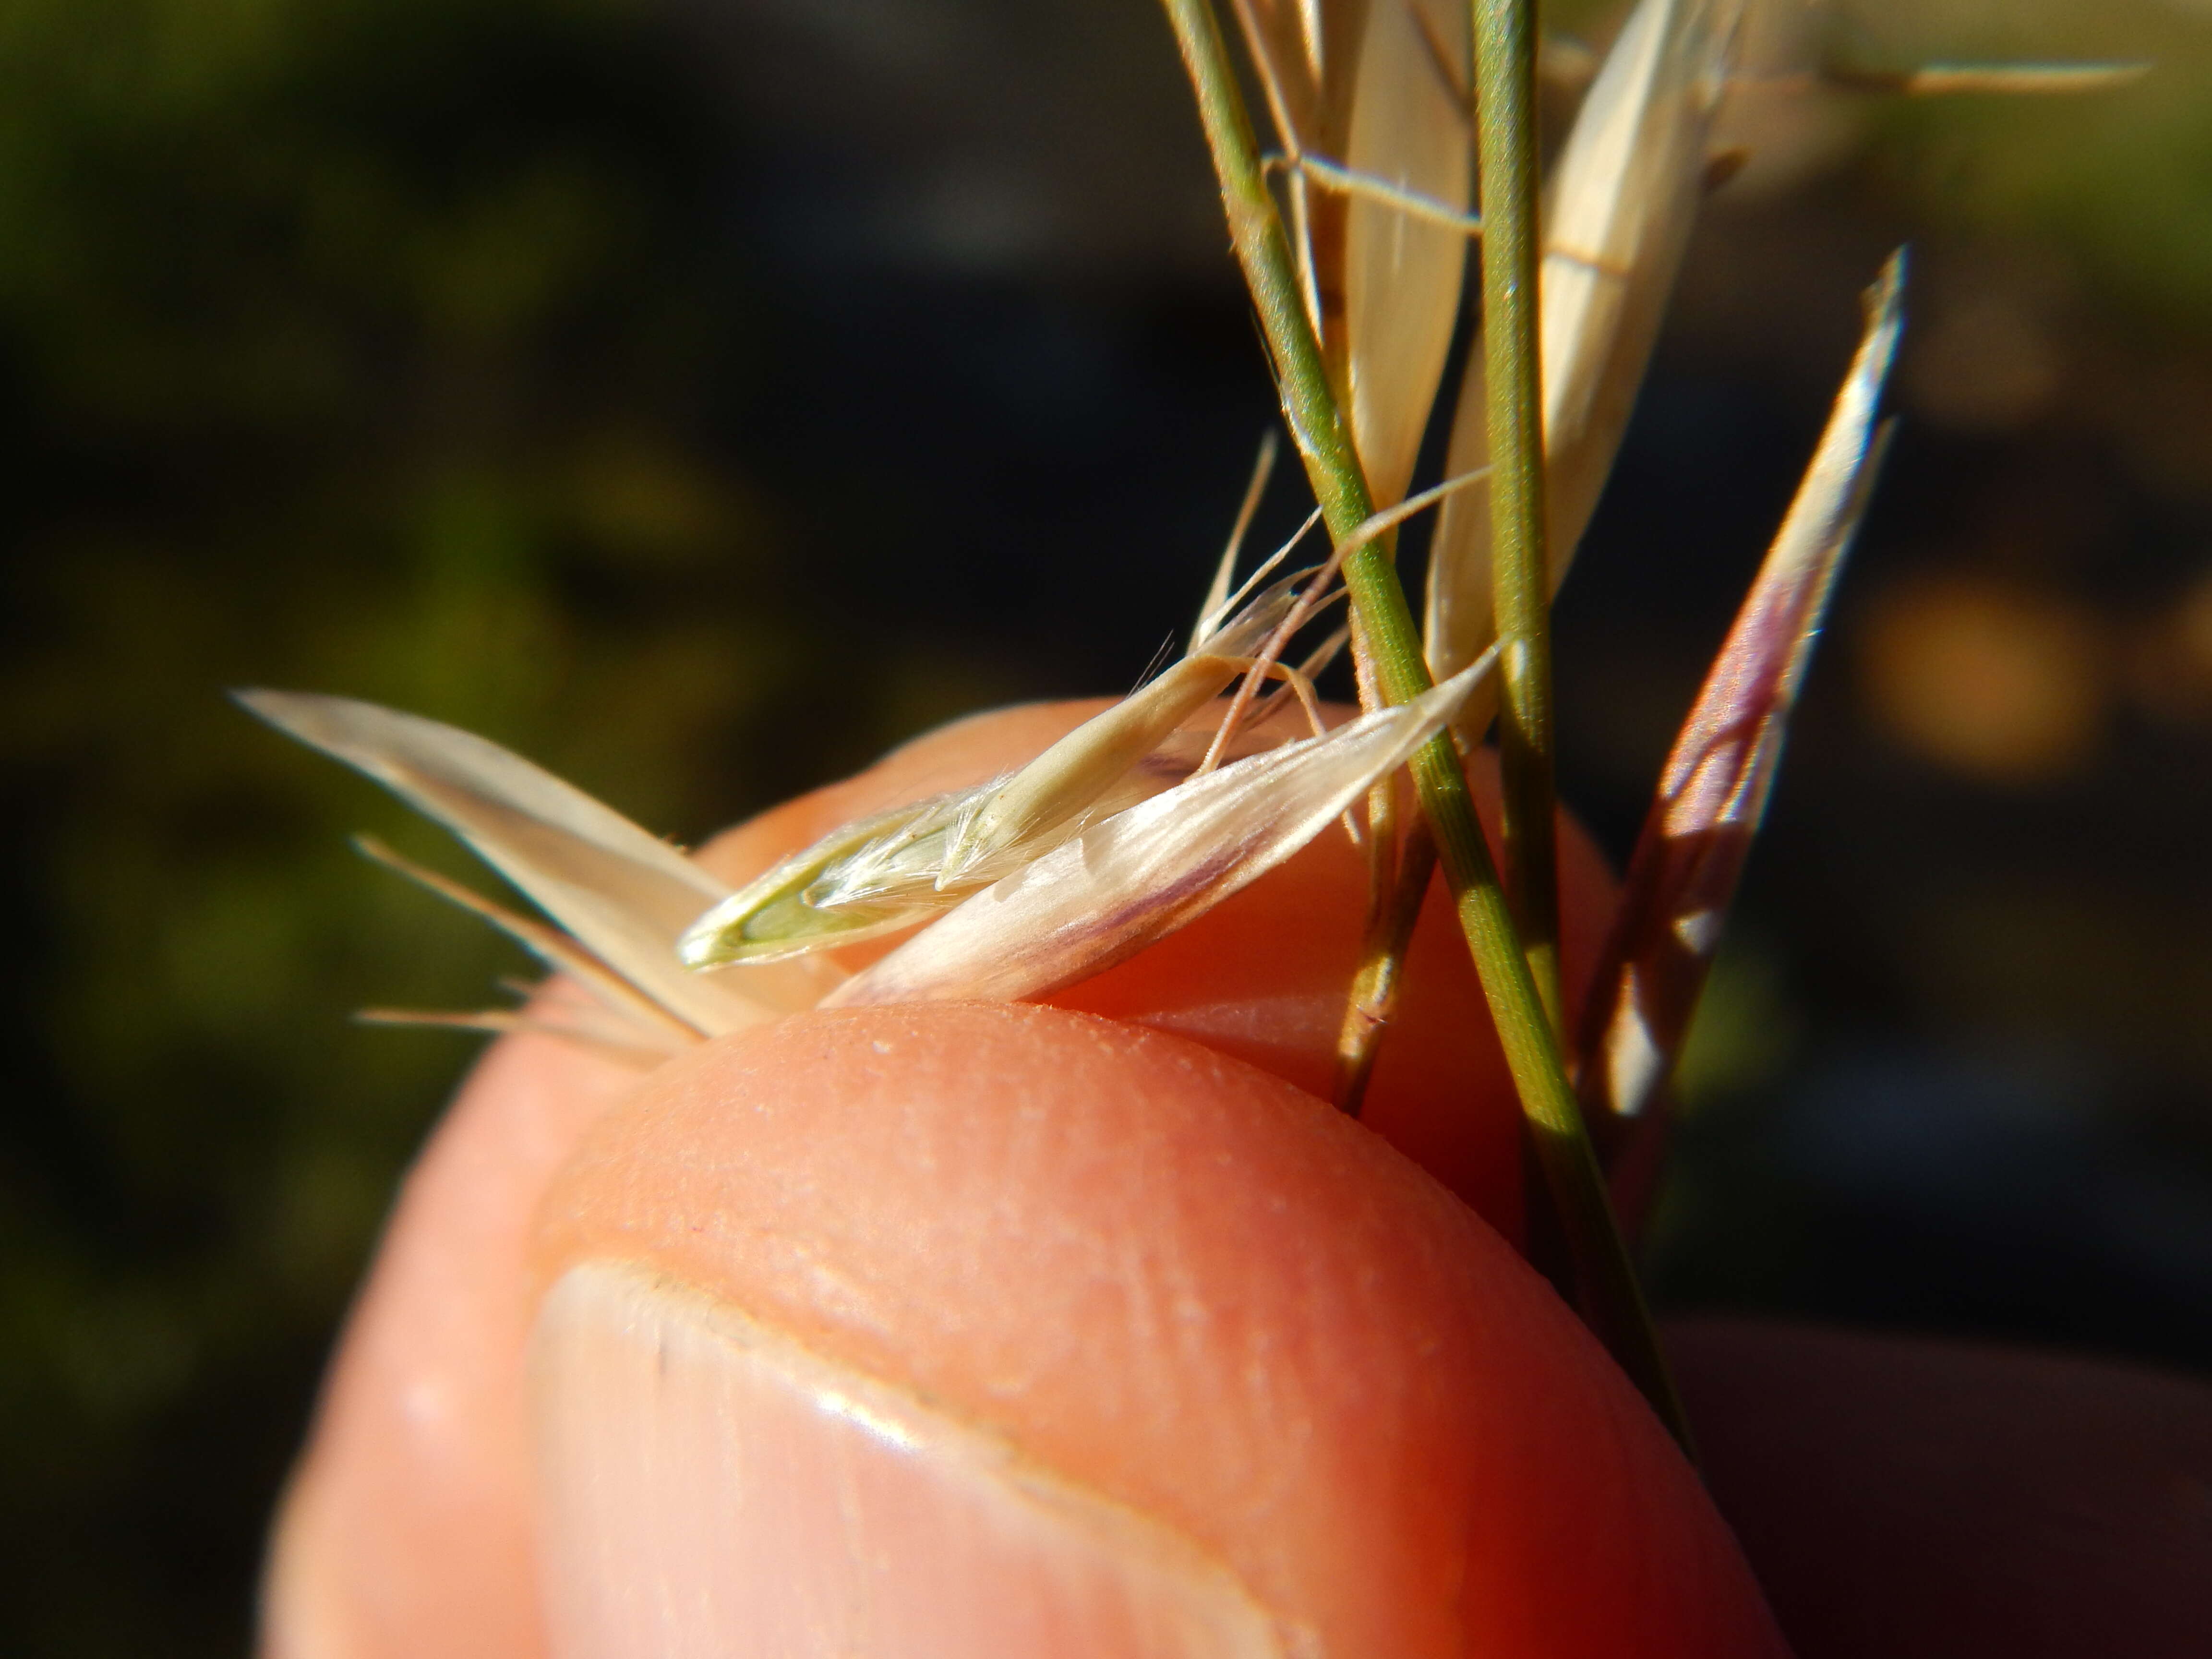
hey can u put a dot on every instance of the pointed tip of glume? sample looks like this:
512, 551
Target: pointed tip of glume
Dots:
698, 947
282, 709
697, 954
307, 717
1887, 297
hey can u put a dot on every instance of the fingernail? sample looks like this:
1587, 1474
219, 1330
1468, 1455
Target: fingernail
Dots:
710, 1489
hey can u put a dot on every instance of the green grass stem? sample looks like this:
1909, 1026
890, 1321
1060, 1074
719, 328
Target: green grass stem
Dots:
1610, 1298
1521, 588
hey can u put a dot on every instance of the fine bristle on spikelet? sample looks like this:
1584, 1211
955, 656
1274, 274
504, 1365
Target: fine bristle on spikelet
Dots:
635, 1021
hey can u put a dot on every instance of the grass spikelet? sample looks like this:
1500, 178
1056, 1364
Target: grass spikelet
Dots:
1128, 881
623, 892
911, 863
1713, 791
863, 879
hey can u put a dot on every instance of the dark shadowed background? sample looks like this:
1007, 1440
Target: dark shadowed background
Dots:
699, 396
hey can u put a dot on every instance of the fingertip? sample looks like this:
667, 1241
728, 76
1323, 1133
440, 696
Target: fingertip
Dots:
1915, 1498
854, 1248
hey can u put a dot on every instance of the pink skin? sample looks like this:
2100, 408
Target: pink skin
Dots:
1010, 1239
405, 1530
1182, 1284
1923, 1499
1262, 976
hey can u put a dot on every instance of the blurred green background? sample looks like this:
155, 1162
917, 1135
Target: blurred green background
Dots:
700, 395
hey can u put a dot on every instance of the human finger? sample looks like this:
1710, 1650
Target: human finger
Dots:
406, 1527
1918, 1498
988, 1328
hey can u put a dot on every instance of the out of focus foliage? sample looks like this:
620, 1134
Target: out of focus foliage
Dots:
369, 346
698, 396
